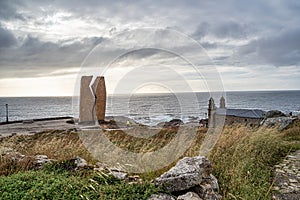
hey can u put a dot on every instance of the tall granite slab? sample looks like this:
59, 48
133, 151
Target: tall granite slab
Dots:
100, 96
86, 101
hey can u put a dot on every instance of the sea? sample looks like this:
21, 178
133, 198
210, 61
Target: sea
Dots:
151, 109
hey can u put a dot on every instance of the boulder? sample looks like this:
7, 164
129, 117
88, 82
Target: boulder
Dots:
191, 178
189, 196
187, 173
173, 123
274, 113
161, 196
281, 122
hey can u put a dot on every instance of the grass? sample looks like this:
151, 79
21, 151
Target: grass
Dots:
243, 160
54, 183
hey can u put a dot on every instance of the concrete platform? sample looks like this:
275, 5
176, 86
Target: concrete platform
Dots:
32, 127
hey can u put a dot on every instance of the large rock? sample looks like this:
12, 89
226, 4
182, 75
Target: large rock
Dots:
281, 122
274, 113
86, 101
187, 173
173, 123
208, 189
100, 98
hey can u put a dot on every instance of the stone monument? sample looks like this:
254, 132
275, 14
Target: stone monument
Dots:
100, 98
92, 105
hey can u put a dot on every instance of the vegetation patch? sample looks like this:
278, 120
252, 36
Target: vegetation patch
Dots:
242, 159
55, 183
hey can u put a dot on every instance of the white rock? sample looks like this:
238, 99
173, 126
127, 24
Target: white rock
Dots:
119, 175
189, 196
41, 160
187, 173
161, 196
80, 162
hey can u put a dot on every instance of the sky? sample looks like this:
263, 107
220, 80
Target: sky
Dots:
44, 45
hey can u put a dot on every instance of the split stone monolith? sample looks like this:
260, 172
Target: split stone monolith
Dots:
92, 106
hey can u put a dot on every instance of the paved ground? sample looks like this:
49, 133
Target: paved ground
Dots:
287, 178
34, 127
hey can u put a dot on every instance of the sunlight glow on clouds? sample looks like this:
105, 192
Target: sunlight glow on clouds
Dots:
43, 86
255, 45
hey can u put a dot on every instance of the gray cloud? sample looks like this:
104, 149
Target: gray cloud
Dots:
7, 38
279, 50
9, 10
34, 57
33, 42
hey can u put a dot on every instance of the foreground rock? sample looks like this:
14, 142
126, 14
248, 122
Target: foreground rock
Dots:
191, 175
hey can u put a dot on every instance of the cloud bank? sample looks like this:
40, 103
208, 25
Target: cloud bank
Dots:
244, 39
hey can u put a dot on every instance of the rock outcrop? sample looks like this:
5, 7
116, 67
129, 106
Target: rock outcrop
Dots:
274, 113
173, 123
280, 122
191, 174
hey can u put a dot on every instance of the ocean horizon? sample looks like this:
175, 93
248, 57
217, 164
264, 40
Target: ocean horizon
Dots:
151, 108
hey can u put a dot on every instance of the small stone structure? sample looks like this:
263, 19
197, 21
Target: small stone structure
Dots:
92, 105
244, 116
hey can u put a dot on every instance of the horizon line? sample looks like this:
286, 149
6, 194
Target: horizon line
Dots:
149, 93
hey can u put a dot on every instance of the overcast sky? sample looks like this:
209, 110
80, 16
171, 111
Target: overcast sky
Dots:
255, 45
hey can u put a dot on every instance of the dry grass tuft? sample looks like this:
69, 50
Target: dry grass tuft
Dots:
58, 145
243, 159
